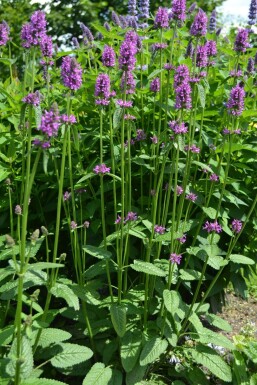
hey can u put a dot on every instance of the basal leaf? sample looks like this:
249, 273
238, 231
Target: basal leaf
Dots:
98, 375
118, 317
63, 291
71, 354
130, 349
152, 350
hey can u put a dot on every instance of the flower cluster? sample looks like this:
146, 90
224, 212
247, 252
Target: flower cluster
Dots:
155, 85
181, 75
178, 10
108, 56
128, 82
175, 258
252, 12
191, 197
178, 128
201, 56
212, 226
71, 119
102, 89
159, 229
50, 123
179, 190
236, 226
161, 18
46, 46
183, 97
144, 9
235, 104
35, 30
241, 41
199, 25
4, 33
124, 103
127, 59
194, 149
213, 21
71, 73
33, 98
101, 169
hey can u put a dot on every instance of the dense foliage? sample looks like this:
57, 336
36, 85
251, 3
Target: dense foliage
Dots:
128, 201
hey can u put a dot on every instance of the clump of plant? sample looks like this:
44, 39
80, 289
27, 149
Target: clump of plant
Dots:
128, 165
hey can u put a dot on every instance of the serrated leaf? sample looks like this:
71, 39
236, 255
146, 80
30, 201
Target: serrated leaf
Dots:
44, 265
173, 303
41, 381
205, 356
201, 94
147, 268
218, 322
118, 317
206, 336
189, 274
51, 336
135, 375
63, 291
97, 252
71, 354
130, 349
237, 258
26, 366
117, 117
98, 375
152, 350
251, 351
6, 335
210, 212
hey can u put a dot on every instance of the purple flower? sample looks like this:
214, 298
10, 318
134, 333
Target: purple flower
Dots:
158, 46
144, 9
236, 226
168, 67
43, 144
235, 104
154, 139
178, 128
18, 210
141, 135
191, 197
124, 103
241, 41
175, 258
252, 12
201, 56
118, 220
192, 8
179, 190
182, 239
32, 32
86, 33
132, 37
116, 19
107, 26
127, 58
68, 119
132, 8
102, 102
199, 25
178, 10
237, 131
102, 86
236, 74
250, 65
159, 229
183, 97
75, 42
33, 98
189, 50
129, 117
226, 131
161, 18
212, 226
71, 73
73, 225
108, 56
214, 177
66, 196
211, 48
86, 224
181, 75
155, 85
46, 46
131, 216
130, 82
101, 169
4, 33
212, 22
50, 123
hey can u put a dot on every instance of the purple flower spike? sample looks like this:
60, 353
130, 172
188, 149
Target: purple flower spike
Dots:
102, 86
236, 226
107, 26
32, 98
32, 32
178, 128
127, 58
235, 105
191, 197
4, 33
132, 8
252, 12
183, 97
159, 229
250, 65
201, 56
155, 85
144, 9
178, 10
175, 258
46, 46
181, 75
179, 190
130, 83
211, 48
71, 73
116, 19
161, 18
50, 123
86, 32
182, 239
73, 225
131, 216
214, 177
212, 226
101, 169
213, 21
199, 26
241, 41
108, 56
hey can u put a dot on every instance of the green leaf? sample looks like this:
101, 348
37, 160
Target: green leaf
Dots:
135, 375
6, 335
201, 94
97, 252
206, 336
44, 265
147, 268
99, 268
173, 303
63, 291
51, 336
130, 349
253, 379
218, 322
117, 117
203, 355
239, 369
71, 354
41, 381
210, 212
116, 378
98, 375
118, 317
152, 350
26, 366
237, 258
251, 351
189, 274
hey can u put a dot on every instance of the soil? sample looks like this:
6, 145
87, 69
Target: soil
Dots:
241, 314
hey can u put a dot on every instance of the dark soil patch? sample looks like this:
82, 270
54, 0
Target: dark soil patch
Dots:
240, 314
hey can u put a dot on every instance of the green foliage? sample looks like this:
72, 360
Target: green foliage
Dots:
98, 375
